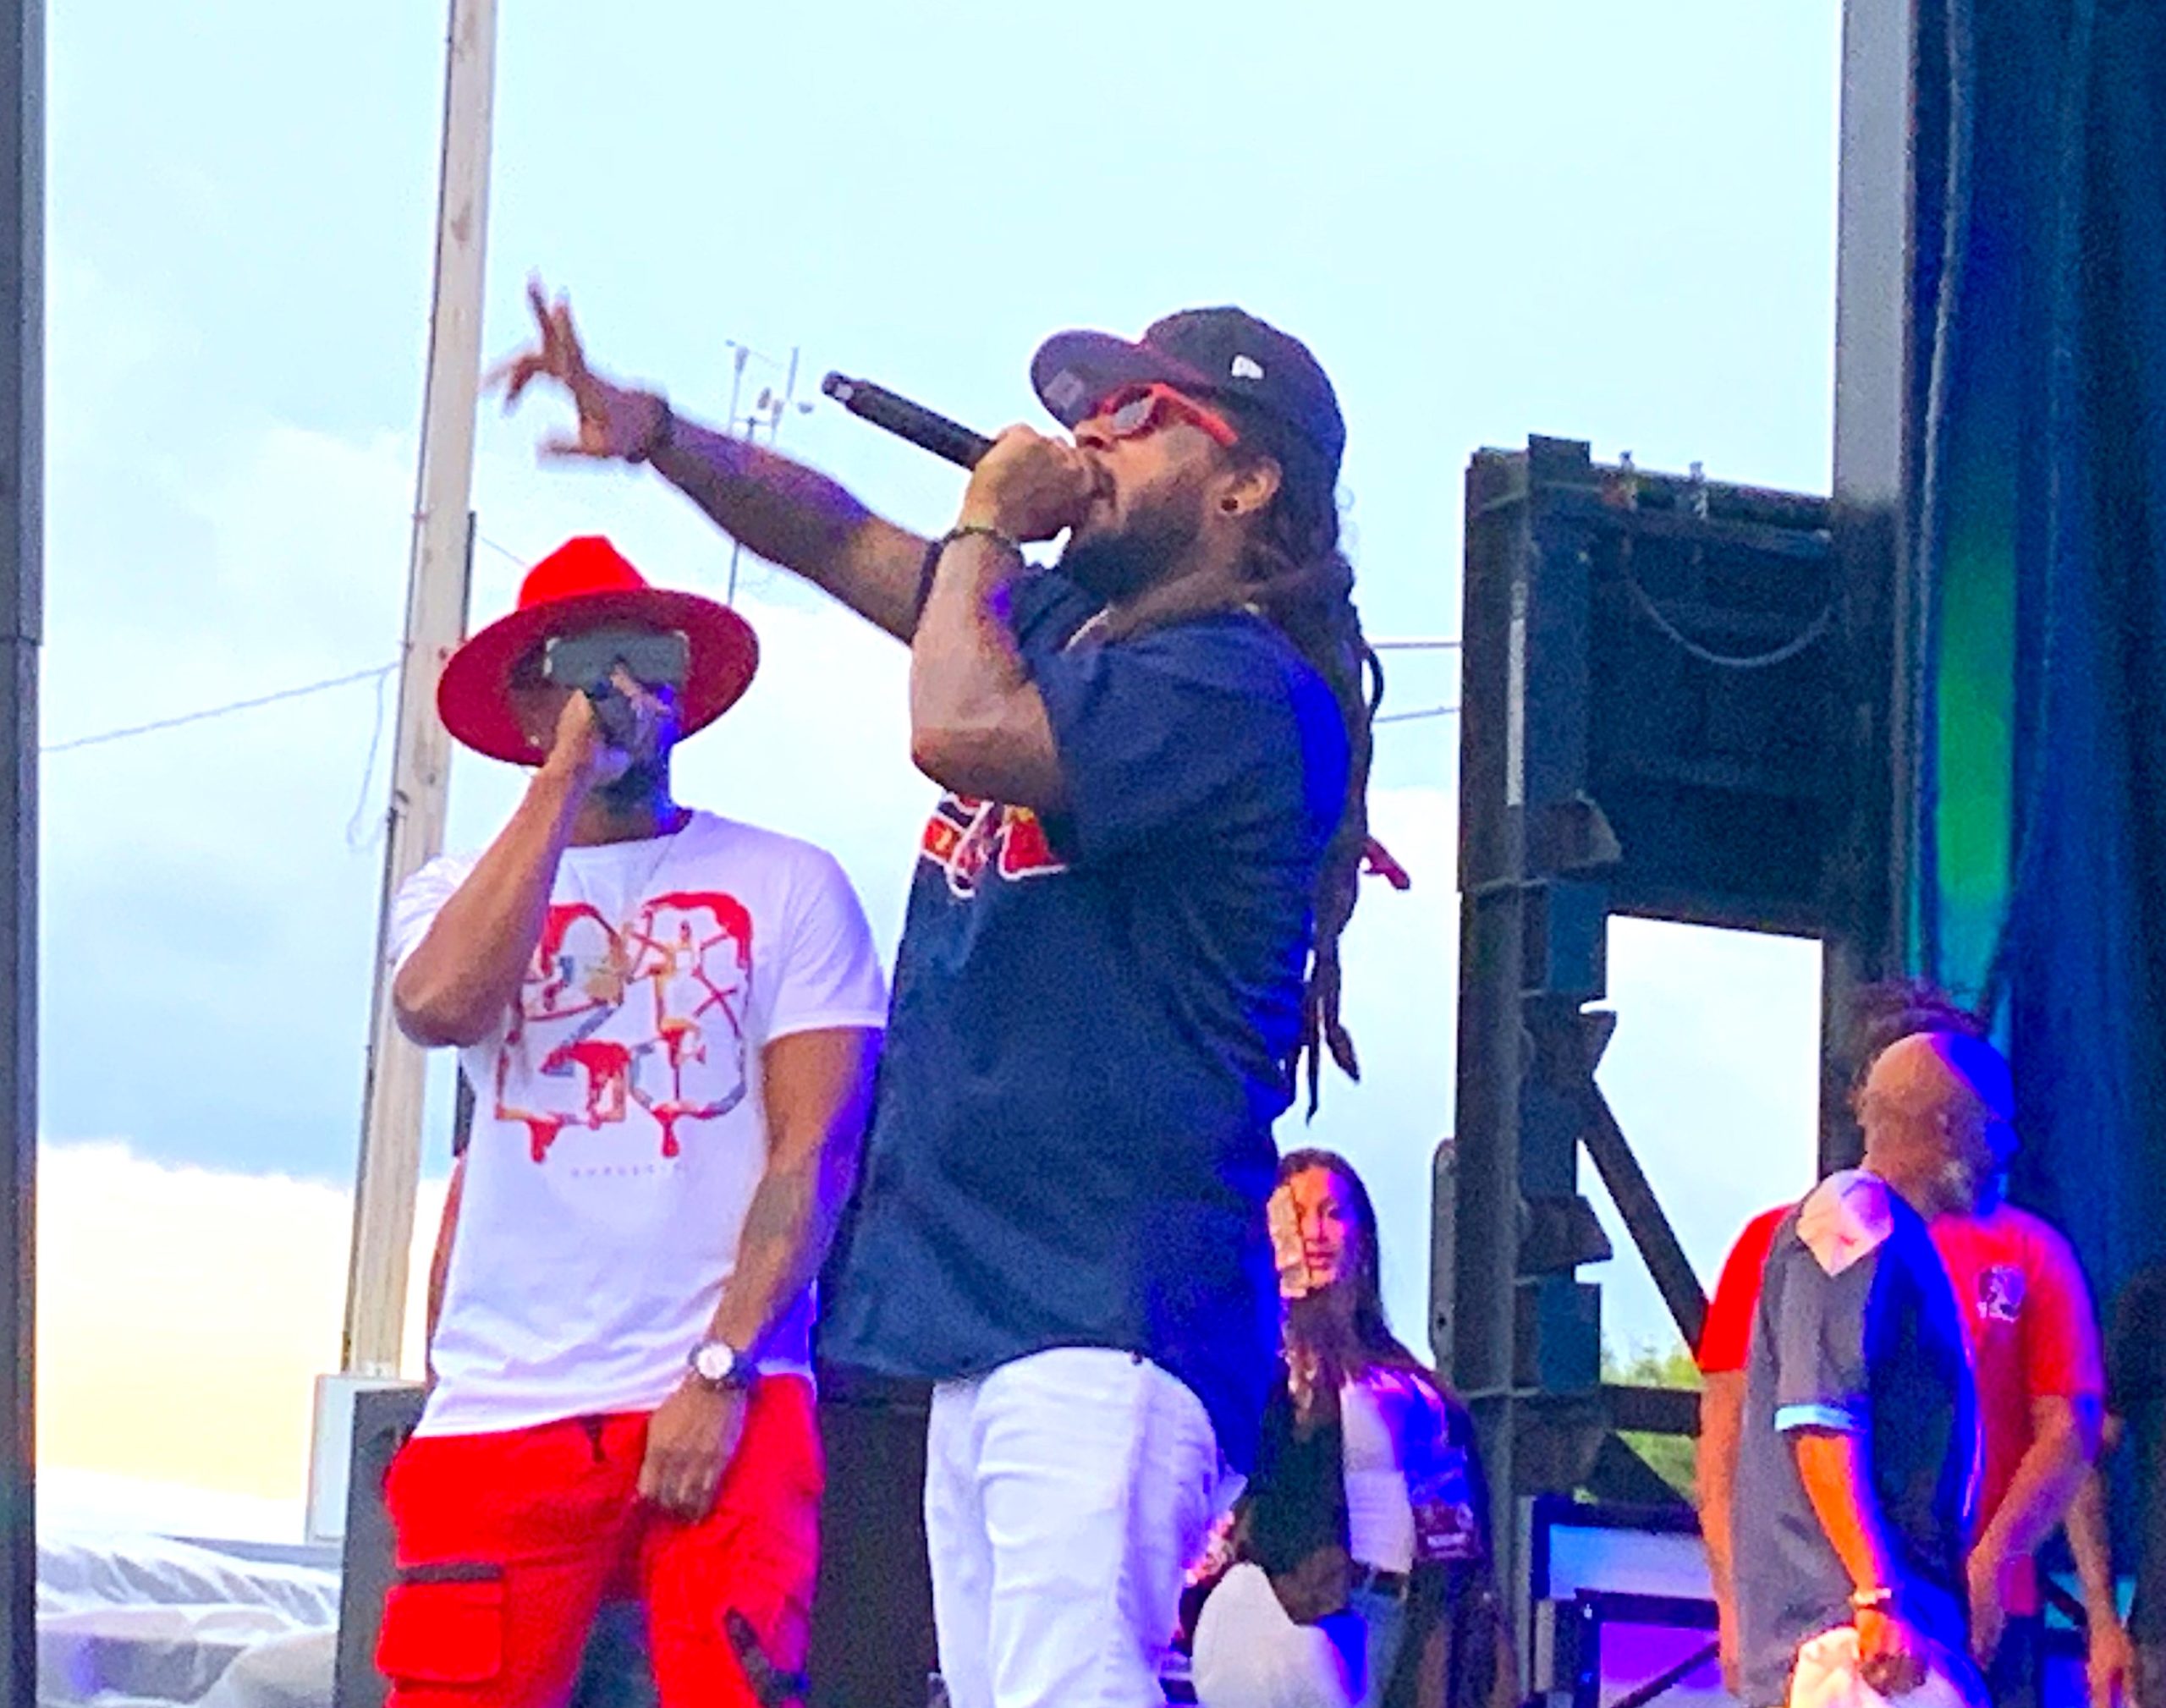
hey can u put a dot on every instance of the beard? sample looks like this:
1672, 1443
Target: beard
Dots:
1119, 563
641, 787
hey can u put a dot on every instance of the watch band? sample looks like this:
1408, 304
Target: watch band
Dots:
740, 1375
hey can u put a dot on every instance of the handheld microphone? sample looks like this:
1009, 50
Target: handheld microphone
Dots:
949, 440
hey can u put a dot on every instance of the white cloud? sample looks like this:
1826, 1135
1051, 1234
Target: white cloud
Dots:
182, 1316
99, 341
80, 1504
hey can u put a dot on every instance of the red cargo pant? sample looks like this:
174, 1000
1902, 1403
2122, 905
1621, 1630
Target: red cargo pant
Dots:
507, 1544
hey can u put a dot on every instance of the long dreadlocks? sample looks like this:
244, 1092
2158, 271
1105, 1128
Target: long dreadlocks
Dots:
1301, 581
1303, 585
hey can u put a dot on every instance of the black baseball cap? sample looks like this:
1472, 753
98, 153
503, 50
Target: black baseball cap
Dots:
1224, 352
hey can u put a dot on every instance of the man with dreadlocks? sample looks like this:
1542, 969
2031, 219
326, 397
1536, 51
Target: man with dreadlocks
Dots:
1122, 939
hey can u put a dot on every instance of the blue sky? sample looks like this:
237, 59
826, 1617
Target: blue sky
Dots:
1614, 224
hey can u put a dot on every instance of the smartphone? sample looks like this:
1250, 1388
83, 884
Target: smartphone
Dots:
589, 661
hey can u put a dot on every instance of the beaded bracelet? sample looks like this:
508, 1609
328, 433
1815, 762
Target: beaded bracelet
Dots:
938, 549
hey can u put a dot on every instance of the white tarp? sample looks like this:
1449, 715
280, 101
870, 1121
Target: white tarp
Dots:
146, 1622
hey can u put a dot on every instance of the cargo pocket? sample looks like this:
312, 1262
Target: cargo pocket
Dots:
443, 1624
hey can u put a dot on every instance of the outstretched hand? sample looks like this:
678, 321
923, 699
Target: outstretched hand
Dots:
614, 422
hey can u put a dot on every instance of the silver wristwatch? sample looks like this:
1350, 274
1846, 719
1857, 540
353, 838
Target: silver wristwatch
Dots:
722, 1366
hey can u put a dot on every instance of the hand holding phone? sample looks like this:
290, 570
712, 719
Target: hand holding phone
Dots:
618, 716
658, 658
617, 669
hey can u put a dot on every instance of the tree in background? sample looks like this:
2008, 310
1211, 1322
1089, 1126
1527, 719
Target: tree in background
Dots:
1647, 1366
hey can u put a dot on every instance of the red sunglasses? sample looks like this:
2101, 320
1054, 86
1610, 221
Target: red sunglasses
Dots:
1135, 410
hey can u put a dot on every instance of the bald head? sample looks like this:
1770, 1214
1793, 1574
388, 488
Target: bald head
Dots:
1936, 1108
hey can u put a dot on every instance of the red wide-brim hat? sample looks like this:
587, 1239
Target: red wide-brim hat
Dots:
587, 584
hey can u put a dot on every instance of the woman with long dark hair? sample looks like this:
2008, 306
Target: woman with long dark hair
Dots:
1367, 1519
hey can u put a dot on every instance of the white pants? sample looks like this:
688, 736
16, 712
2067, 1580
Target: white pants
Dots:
1065, 1495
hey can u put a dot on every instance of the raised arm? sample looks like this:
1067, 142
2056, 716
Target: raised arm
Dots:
455, 986
778, 509
790, 514
978, 723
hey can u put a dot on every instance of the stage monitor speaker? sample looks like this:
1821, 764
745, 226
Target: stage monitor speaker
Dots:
382, 1419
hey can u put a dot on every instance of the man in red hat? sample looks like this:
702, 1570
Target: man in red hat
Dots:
670, 1021
1123, 929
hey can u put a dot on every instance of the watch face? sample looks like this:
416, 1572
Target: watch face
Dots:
715, 1362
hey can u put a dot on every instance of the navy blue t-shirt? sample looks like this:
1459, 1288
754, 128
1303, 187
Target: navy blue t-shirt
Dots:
1857, 1331
1071, 1144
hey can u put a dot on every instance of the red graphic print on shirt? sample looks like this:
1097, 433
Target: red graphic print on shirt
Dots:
650, 1012
963, 837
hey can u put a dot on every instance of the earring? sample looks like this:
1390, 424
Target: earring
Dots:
1232, 507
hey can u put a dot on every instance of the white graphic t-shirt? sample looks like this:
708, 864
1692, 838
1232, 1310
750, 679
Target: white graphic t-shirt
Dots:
618, 1130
